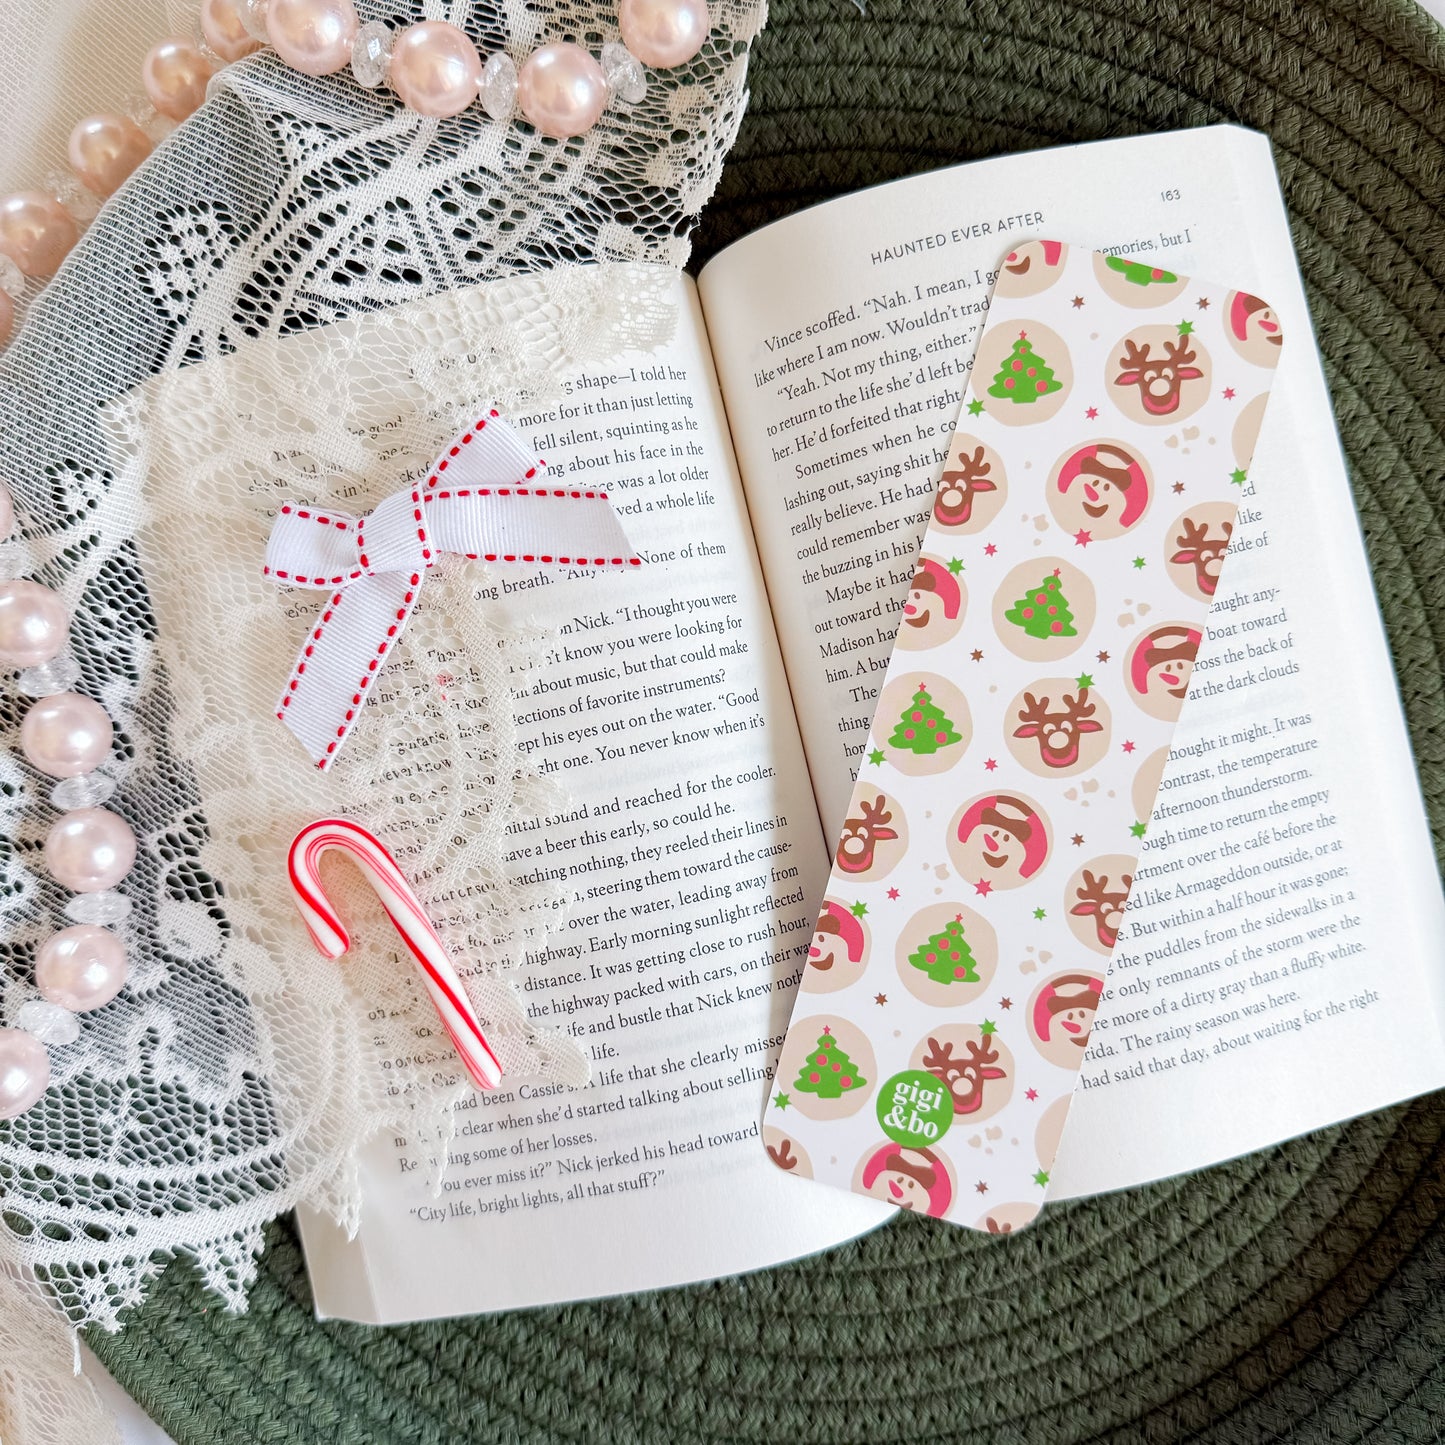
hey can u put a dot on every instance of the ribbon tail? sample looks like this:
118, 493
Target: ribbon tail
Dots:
343, 655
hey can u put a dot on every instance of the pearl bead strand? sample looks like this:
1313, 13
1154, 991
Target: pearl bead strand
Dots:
433, 67
89, 849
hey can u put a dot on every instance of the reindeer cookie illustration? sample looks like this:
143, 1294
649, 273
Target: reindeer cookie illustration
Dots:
934, 608
1158, 667
1159, 375
786, 1153
1095, 898
1195, 546
1061, 1016
1058, 727
1099, 490
971, 488
838, 953
972, 1063
874, 836
998, 838
907, 1176
1253, 328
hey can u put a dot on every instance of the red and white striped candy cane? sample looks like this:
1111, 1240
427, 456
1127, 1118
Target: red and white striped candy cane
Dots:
404, 909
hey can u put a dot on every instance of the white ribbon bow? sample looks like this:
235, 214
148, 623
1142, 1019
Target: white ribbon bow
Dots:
481, 500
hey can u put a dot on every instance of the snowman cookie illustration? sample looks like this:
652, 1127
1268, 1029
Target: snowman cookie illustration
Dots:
1253, 328
998, 838
909, 1177
838, 953
1031, 267
1061, 1016
1158, 666
934, 609
1099, 490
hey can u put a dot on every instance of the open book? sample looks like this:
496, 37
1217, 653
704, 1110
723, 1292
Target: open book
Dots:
1278, 966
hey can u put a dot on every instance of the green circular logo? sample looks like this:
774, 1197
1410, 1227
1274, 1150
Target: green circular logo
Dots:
914, 1108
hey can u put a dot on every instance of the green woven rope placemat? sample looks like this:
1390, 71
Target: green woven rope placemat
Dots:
1295, 1294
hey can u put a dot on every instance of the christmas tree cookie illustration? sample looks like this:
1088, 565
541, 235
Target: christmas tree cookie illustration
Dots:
946, 957
922, 727
827, 1071
1043, 611
1023, 377
1140, 274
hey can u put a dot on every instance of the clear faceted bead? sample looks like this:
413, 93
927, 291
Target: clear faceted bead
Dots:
106, 906
89, 790
48, 1022
45, 679
253, 17
498, 90
626, 78
12, 278
371, 54
83, 204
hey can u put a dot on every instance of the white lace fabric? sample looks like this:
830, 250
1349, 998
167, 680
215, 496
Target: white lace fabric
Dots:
238, 1072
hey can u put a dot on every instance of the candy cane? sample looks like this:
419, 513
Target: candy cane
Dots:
405, 911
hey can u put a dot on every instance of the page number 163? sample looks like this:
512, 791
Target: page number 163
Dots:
1168, 195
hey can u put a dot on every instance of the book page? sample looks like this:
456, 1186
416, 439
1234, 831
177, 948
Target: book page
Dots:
692, 845
1287, 906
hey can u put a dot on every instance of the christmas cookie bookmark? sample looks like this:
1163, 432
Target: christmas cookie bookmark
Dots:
1043, 656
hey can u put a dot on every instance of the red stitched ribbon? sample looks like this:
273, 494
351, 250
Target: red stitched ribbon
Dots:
486, 498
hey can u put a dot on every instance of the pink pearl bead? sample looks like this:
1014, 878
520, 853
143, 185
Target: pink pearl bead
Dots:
225, 30
313, 36
7, 317
7, 505
561, 89
105, 149
435, 68
24, 1071
175, 75
663, 33
33, 623
81, 968
66, 735
36, 232
89, 849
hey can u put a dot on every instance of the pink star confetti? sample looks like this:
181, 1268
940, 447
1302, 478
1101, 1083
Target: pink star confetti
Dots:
1082, 538
893, 893
989, 550
1092, 413
1229, 393
1129, 746
1031, 1095
990, 764
983, 887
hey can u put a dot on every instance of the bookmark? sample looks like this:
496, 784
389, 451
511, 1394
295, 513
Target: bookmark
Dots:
1045, 649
